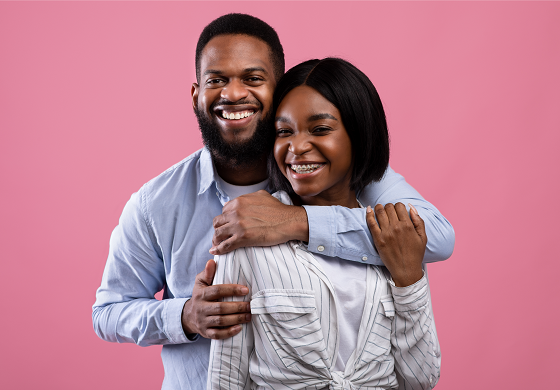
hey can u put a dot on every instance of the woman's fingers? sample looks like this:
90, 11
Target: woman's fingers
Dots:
418, 223
371, 222
382, 218
402, 214
391, 214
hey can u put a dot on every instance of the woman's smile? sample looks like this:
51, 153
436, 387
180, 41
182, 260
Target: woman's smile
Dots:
313, 149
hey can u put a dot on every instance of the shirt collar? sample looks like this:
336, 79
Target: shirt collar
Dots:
207, 171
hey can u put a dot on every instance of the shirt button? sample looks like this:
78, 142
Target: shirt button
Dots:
364, 258
320, 248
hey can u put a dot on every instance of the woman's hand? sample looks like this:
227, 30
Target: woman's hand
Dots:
400, 240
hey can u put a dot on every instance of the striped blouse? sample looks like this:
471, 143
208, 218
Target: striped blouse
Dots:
292, 342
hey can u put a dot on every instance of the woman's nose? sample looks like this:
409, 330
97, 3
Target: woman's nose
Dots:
300, 145
234, 90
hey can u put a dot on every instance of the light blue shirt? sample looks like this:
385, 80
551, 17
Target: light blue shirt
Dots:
162, 242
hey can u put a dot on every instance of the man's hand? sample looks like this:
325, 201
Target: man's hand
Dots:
257, 219
400, 240
203, 314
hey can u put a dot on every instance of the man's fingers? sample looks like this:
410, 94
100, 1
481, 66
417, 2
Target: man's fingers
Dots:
228, 320
418, 223
222, 333
219, 221
213, 293
226, 246
207, 276
223, 309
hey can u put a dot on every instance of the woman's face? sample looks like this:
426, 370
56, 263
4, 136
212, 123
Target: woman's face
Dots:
313, 149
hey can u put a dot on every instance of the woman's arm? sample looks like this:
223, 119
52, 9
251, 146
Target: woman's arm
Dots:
229, 358
401, 242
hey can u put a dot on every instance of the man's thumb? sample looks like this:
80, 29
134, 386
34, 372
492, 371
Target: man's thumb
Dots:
209, 271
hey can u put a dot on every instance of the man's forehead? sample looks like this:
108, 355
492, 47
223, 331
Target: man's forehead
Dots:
235, 52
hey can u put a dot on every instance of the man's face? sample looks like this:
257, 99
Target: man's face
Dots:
234, 99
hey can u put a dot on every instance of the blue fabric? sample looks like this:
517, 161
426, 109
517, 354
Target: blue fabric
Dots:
162, 241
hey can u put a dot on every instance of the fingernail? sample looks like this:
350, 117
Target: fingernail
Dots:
368, 209
244, 290
247, 317
212, 250
413, 209
236, 328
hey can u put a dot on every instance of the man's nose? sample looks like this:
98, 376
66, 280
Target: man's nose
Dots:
300, 144
234, 90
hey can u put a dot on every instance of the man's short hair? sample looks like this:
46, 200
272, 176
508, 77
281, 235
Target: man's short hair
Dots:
242, 24
361, 111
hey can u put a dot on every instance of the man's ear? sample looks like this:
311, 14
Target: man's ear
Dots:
194, 94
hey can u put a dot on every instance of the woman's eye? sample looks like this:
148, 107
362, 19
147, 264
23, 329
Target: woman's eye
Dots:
283, 132
321, 130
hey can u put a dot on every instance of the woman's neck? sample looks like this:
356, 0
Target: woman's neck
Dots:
346, 199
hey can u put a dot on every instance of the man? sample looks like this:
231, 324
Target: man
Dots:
166, 228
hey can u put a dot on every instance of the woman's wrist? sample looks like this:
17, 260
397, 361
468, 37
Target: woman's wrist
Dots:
407, 278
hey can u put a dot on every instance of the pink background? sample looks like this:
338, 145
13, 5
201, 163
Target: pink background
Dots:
95, 101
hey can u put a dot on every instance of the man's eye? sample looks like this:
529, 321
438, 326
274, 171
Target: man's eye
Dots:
254, 79
214, 81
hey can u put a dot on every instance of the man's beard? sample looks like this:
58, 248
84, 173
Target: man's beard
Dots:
242, 153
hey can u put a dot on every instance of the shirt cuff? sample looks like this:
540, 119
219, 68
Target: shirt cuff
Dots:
322, 230
411, 298
172, 321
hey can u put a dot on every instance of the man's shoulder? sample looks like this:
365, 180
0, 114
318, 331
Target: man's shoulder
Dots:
186, 172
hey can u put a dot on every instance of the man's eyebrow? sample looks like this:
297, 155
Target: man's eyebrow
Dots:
212, 71
255, 69
320, 116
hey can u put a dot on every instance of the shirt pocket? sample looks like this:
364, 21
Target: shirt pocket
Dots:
290, 321
379, 340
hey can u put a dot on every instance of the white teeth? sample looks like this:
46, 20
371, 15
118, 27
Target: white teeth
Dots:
308, 168
237, 115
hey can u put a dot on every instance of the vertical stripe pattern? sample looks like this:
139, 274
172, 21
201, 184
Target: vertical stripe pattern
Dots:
292, 342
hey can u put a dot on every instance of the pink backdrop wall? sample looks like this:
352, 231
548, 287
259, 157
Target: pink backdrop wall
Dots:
95, 101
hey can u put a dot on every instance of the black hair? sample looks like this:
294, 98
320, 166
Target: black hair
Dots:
361, 111
242, 24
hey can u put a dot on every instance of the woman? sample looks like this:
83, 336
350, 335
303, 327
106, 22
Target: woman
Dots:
321, 322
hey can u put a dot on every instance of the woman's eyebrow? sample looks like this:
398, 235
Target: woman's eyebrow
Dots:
321, 116
282, 119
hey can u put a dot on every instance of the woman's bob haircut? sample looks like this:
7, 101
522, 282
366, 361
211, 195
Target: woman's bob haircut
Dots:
361, 111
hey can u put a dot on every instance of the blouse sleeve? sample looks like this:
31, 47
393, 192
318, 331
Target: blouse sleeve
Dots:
229, 358
415, 345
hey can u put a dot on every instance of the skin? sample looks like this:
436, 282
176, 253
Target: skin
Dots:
309, 130
236, 75
237, 69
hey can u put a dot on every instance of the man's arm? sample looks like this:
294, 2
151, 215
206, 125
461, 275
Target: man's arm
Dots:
259, 219
126, 310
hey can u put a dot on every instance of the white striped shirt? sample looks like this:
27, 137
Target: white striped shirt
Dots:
292, 342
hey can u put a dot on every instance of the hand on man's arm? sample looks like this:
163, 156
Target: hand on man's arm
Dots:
257, 219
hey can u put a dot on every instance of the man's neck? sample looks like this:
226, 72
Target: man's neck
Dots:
243, 175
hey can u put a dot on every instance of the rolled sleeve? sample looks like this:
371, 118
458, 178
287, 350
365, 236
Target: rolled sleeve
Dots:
173, 326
